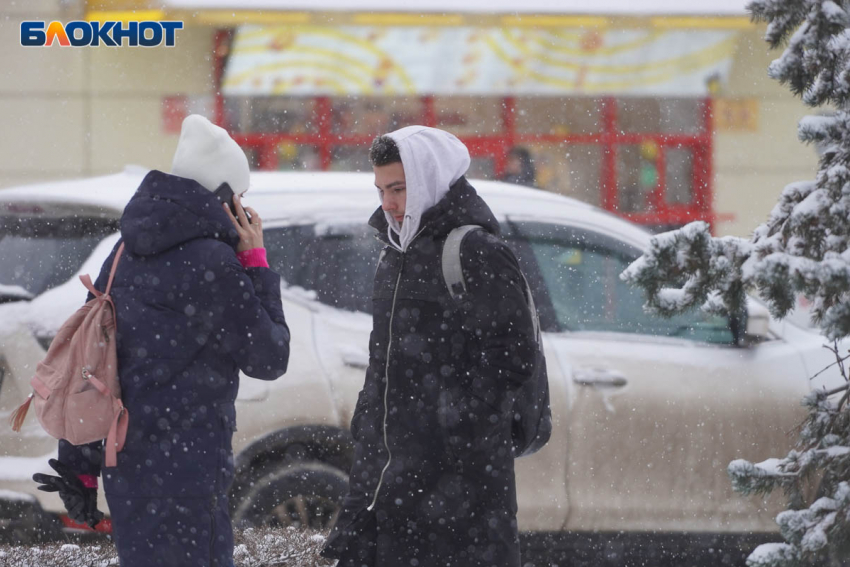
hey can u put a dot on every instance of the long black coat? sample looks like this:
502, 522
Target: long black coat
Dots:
188, 318
433, 455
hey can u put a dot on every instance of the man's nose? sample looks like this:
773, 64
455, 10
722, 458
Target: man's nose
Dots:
387, 203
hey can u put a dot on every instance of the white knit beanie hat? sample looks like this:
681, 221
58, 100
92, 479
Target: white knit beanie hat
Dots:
207, 154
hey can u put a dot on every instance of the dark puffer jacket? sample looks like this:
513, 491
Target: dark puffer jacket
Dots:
189, 318
433, 479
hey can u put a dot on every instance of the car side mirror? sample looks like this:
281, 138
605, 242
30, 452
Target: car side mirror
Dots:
755, 326
758, 321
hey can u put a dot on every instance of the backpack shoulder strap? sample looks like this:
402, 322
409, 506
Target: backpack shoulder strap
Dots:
114, 267
86, 279
535, 319
452, 269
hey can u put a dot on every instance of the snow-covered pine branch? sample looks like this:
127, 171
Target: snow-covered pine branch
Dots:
707, 267
814, 63
802, 249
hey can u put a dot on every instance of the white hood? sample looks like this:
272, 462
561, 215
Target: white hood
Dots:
433, 160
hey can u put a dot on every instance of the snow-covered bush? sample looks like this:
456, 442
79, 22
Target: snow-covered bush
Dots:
253, 548
803, 248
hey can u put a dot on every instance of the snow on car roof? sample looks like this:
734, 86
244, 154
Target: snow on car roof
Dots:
114, 191
361, 186
311, 197
325, 197
107, 191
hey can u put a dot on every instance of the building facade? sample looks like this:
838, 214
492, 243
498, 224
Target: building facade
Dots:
661, 118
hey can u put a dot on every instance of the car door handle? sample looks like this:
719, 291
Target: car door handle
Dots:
355, 358
599, 377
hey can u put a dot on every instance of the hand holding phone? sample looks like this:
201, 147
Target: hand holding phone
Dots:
225, 195
248, 223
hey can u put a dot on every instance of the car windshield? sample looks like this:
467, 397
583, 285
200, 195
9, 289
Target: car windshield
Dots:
37, 254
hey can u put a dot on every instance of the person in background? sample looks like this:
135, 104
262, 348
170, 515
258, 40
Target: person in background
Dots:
519, 168
196, 303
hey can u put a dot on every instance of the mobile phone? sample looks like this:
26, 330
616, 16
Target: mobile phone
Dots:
225, 195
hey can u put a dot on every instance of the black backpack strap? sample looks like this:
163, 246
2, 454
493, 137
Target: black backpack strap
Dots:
532, 422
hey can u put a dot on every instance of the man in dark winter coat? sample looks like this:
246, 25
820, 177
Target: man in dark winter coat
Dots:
195, 304
432, 482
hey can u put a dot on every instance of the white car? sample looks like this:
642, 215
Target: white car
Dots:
647, 412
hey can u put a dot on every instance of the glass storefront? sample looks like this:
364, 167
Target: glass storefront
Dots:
638, 157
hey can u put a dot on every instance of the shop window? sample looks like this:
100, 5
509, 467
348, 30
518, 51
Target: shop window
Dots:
283, 155
297, 157
481, 168
659, 115
557, 116
289, 115
679, 176
374, 115
657, 176
573, 170
470, 116
253, 155
350, 158
637, 176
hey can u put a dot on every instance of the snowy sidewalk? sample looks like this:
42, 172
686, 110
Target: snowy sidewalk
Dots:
254, 548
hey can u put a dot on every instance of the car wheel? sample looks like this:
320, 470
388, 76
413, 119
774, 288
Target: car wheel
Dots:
300, 494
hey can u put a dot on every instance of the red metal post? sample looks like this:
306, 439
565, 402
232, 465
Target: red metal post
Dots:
509, 118
508, 138
268, 156
429, 111
323, 115
658, 197
609, 198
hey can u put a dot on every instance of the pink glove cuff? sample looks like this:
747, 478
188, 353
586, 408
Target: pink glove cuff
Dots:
253, 258
88, 480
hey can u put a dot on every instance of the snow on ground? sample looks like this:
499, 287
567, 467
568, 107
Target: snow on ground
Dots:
282, 547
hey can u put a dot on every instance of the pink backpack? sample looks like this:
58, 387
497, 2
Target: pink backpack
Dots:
75, 388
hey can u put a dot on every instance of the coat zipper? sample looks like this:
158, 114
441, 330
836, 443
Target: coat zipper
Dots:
212, 529
387, 388
387, 378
